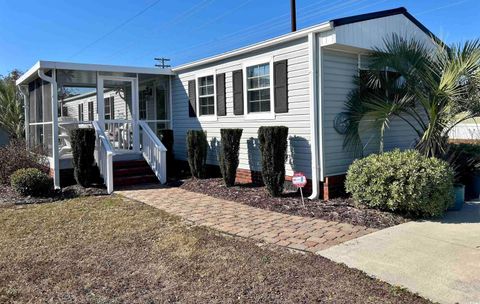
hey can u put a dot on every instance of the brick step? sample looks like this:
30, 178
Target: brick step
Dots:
129, 164
134, 171
134, 180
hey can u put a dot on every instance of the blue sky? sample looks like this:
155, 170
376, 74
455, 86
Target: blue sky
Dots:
134, 32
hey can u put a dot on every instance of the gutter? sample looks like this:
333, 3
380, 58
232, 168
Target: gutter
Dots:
55, 156
315, 104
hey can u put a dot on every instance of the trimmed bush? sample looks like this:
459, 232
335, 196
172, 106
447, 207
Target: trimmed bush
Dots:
228, 157
31, 181
15, 156
197, 147
273, 150
166, 137
83, 148
404, 182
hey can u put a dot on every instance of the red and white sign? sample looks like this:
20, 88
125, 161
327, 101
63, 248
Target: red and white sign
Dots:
299, 179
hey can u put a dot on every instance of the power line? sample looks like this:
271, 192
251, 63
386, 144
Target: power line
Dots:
266, 29
115, 29
442, 7
253, 28
178, 19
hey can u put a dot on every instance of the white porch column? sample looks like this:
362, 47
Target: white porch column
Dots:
55, 155
135, 116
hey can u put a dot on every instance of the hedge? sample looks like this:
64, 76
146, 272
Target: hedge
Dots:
404, 182
228, 158
197, 148
273, 150
31, 181
83, 148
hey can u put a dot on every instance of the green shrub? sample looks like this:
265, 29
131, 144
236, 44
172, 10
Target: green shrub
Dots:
83, 148
31, 181
166, 137
228, 158
404, 182
273, 151
197, 147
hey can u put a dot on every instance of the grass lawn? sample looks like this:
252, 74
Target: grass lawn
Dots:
111, 250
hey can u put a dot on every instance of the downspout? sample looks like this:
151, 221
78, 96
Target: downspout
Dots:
26, 107
314, 114
54, 100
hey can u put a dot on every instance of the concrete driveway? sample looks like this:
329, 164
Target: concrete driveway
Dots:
440, 260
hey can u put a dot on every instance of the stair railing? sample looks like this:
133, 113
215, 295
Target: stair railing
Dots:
154, 152
104, 156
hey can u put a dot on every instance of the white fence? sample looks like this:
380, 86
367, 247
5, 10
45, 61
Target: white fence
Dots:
154, 152
466, 132
104, 156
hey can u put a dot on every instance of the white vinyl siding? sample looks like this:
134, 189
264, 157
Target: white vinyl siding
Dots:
297, 119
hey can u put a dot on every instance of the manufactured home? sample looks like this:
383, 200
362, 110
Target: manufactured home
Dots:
300, 80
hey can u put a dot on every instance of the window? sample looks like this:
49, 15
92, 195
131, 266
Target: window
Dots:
80, 112
258, 88
206, 95
109, 108
90, 110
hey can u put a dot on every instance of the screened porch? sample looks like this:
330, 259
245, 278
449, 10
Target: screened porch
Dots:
127, 106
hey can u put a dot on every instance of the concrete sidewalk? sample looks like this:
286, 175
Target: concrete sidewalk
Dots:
440, 260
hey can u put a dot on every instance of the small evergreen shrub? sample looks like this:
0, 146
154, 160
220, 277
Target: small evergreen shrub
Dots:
31, 181
228, 158
273, 151
83, 148
197, 148
404, 182
166, 137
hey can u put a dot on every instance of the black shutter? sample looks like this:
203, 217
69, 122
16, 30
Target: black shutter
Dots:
280, 86
221, 95
237, 92
192, 98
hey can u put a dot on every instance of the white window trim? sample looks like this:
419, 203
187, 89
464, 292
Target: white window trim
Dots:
212, 73
258, 115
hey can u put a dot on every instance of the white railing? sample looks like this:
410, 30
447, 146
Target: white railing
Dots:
104, 156
154, 152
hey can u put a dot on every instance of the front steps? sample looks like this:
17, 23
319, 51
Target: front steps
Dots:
132, 172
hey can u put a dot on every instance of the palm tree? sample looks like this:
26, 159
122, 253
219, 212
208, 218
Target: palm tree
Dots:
11, 108
432, 89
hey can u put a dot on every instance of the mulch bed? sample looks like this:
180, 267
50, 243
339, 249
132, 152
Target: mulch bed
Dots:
340, 210
9, 197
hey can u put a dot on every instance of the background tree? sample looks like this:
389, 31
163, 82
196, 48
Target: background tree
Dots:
430, 89
11, 105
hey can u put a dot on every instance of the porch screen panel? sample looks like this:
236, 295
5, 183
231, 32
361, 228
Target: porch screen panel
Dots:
47, 101
154, 101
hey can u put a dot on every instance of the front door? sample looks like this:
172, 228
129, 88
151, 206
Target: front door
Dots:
118, 107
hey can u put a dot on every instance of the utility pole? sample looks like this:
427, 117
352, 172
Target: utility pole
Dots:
294, 15
162, 63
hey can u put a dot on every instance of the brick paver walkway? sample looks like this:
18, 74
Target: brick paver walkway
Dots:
290, 231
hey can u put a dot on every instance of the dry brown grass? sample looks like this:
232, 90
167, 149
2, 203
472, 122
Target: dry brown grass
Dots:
110, 250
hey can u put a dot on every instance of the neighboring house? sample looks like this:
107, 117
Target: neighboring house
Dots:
300, 80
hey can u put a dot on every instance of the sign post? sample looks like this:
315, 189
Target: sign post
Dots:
300, 180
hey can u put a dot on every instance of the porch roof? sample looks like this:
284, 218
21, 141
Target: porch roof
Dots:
49, 65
